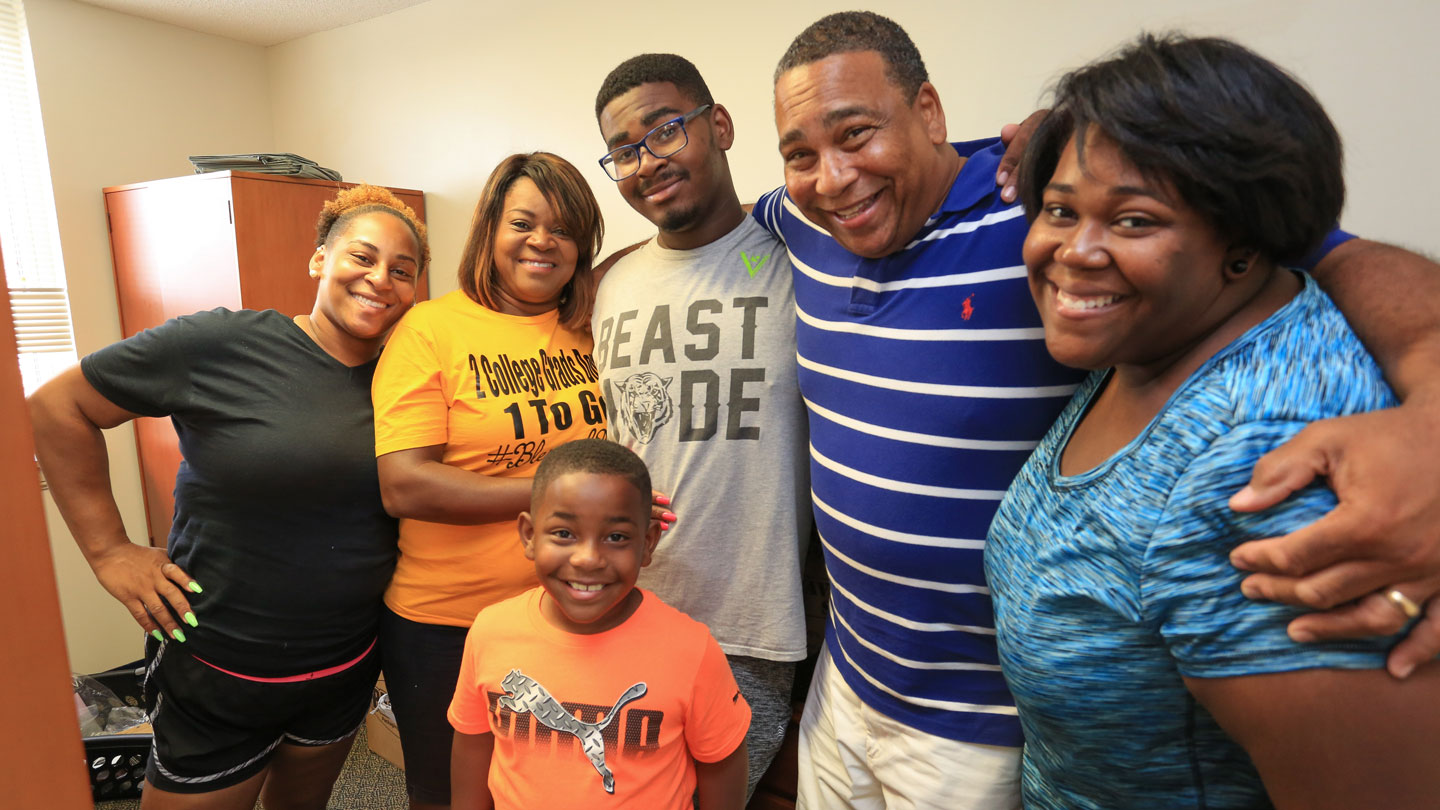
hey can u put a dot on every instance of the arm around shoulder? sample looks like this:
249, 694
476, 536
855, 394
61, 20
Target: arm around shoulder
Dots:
1390, 296
1382, 536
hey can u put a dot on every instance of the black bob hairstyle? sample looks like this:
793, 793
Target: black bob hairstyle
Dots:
1237, 138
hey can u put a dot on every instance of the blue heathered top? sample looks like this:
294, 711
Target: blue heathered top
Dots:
1111, 585
928, 384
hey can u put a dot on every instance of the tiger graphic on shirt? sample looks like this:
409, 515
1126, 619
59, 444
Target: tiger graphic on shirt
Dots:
644, 405
524, 694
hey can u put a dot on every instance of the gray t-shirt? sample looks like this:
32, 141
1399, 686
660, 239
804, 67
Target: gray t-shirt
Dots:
696, 351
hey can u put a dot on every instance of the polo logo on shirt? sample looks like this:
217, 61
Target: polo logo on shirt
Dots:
966, 308
754, 265
525, 695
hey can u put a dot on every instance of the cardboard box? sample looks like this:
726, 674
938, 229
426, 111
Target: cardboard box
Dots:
380, 729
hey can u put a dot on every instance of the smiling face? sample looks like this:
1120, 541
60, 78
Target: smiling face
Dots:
534, 254
860, 162
679, 192
589, 535
367, 279
1123, 272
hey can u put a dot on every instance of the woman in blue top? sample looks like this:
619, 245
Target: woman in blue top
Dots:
1167, 191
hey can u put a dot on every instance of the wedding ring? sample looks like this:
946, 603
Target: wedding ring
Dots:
1403, 603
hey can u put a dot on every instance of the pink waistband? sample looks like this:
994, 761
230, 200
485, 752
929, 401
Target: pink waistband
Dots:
309, 676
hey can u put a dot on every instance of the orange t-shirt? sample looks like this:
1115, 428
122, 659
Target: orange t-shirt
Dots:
499, 391
639, 703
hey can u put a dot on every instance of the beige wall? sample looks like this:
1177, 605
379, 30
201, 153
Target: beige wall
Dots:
125, 100
462, 84
433, 96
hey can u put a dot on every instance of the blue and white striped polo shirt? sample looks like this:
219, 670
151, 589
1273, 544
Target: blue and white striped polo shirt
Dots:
928, 384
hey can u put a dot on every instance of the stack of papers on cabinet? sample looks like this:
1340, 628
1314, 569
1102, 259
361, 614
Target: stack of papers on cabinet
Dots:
267, 163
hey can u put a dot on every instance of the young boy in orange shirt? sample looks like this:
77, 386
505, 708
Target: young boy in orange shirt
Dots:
588, 691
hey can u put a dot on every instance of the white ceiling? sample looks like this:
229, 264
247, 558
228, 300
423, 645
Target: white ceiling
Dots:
261, 22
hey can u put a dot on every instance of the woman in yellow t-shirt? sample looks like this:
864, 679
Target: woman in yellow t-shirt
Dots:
471, 392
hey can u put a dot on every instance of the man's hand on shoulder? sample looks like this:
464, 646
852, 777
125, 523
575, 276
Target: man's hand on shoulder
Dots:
1383, 535
1015, 137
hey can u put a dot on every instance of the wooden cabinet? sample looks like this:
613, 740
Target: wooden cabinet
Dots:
227, 239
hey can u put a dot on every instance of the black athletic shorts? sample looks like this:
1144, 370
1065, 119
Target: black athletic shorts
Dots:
214, 730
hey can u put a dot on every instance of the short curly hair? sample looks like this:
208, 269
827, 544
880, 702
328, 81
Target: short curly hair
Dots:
568, 193
851, 31
596, 456
336, 215
653, 67
1239, 140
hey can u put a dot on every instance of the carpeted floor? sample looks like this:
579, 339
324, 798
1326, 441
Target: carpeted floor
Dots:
368, 782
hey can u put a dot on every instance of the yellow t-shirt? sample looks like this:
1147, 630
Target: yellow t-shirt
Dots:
499, 391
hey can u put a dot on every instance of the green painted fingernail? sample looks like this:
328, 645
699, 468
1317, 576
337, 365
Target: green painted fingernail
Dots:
195, 586
178, 634
190, 619
156, 634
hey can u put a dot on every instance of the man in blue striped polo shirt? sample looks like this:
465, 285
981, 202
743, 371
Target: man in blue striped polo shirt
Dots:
923, 366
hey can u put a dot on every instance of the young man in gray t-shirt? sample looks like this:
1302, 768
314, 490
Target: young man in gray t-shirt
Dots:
695, 342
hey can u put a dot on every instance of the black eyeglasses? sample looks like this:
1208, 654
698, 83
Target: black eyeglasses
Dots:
662, 141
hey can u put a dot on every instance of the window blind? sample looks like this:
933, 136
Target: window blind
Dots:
29, 233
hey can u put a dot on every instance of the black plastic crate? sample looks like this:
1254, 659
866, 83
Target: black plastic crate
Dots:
116, 762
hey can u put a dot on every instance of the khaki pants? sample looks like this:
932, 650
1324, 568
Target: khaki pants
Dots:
852, 756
